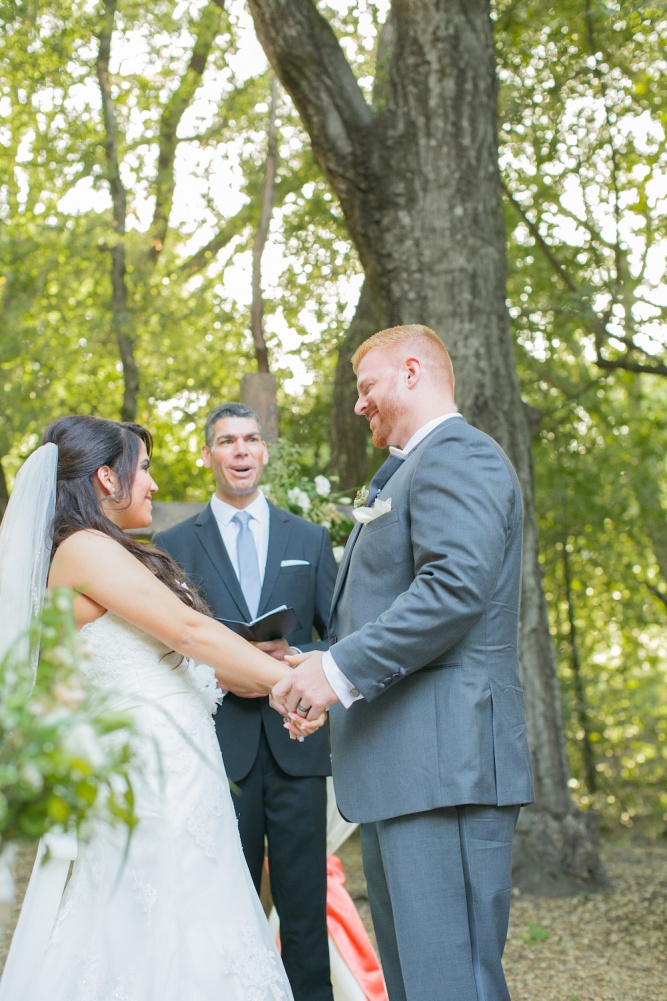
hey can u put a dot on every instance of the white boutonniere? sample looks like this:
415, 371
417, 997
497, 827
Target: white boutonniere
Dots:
361, 497
366, 514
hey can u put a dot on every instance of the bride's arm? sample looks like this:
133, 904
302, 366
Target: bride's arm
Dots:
100, 568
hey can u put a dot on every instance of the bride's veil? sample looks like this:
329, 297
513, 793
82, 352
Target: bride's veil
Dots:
25, 553
25, 549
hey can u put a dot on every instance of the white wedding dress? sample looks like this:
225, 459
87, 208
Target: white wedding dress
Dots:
173, 914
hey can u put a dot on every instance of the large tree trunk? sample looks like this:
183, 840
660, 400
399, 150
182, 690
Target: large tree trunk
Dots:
419, 184
349, 435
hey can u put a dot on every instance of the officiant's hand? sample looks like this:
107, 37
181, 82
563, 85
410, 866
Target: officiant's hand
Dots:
278, 649
305, 693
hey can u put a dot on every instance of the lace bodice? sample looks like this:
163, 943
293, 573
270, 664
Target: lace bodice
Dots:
131, 669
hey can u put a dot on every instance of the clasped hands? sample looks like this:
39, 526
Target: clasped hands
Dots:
306, 687
304, 696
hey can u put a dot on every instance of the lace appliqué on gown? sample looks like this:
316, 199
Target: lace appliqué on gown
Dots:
255, 966
146, 894
96, 982
202, 824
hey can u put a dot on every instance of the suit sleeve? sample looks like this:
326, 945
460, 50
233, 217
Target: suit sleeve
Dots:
462, 505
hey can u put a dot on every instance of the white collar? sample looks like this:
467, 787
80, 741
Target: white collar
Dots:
224, 512
421, 434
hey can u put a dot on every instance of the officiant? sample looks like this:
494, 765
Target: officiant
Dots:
248, 557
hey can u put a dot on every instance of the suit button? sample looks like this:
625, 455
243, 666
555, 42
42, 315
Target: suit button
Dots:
354, 693
380, 684
401, 672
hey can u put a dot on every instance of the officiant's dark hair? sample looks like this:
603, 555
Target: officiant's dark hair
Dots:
228, 410
86, 443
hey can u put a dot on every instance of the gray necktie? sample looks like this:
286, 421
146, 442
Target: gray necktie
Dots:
382, 477
248, 562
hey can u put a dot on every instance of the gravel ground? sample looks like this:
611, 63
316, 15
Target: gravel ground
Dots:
607, 946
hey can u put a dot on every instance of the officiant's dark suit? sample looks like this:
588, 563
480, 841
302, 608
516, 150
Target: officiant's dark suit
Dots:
282, 782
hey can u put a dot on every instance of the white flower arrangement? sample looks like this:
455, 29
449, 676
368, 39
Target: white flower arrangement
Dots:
311, 498
322, 486
299, 498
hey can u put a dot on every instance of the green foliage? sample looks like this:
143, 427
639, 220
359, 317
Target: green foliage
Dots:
64, 760
313, 499
535, 934
583, 151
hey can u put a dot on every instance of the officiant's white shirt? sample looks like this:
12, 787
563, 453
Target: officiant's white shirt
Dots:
229, 529
346, 692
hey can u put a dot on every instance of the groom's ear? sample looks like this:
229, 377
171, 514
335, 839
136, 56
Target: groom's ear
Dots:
412, 372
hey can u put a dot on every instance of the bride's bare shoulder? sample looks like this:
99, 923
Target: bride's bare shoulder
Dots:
83, 541
84, 547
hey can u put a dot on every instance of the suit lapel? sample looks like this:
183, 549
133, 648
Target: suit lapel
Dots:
344, 565
208, 535
347, 555
279, 533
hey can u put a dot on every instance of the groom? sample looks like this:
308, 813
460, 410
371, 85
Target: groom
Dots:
427, 718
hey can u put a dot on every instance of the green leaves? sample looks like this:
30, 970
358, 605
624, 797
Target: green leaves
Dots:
63, 760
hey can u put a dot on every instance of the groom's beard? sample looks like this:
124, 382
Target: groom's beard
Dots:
386, 419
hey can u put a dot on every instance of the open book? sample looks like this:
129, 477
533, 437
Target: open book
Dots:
272, 625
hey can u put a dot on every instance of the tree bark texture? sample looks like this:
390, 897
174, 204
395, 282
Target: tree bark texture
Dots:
261, 236
120, 316
418, 181
349, 456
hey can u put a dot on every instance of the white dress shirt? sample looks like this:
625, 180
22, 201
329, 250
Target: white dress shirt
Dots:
229, 529
340, 684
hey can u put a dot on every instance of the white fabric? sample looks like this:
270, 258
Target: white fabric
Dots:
340, 684
338, 828
172, 914
343, 983
421, 433
25, 548
229, 530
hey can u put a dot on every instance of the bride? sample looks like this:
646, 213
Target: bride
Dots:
173, 916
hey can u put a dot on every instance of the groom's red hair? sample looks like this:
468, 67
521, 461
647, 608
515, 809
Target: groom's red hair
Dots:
426, 342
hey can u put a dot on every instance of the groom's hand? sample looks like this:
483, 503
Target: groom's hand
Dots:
306, 687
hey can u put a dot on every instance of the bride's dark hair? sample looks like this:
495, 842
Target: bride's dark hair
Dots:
84, 444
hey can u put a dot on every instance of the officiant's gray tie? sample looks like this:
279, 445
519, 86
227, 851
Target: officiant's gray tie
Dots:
248, 562
383, 475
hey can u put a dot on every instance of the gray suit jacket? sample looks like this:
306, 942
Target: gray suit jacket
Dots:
425, 625
197, 547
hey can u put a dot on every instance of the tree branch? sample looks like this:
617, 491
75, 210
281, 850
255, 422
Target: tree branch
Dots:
262, 234
120, 316
312, 67
165, 182
539, 239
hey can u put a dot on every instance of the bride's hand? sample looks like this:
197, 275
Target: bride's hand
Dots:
299, 728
